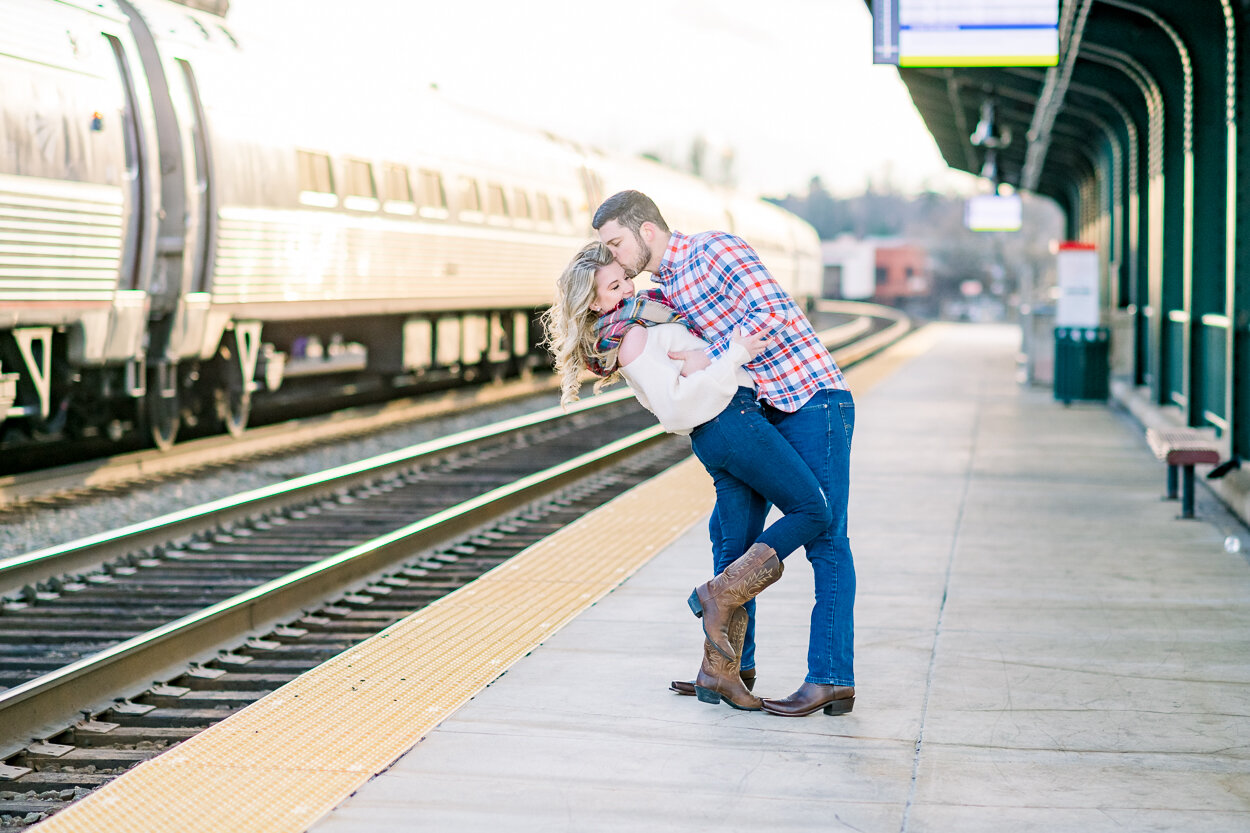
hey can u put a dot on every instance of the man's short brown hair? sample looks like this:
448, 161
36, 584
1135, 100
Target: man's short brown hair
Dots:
631, 209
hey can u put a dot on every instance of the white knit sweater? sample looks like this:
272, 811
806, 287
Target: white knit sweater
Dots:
682, 402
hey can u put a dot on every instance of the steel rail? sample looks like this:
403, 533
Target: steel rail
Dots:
865, 347
95, 550
46, 704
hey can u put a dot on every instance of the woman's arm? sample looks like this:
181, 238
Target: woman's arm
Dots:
632, 344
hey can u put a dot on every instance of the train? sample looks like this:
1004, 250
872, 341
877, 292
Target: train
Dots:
178, 242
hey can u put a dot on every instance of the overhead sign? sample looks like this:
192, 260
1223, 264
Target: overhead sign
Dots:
991, 212
966, 33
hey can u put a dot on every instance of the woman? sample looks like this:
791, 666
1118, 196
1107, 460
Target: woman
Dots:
598, 323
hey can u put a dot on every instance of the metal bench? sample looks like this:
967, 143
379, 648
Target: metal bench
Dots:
1182, 448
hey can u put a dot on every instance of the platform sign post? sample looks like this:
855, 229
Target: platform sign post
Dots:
1081, 343
1076, 268
970, 33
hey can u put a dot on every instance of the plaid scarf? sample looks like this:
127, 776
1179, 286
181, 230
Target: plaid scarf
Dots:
611, 329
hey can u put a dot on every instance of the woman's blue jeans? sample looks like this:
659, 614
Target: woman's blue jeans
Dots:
753, 464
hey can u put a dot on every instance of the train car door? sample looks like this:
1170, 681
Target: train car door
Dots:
202, 196
165, 285
188, 321
180, 278
137, 252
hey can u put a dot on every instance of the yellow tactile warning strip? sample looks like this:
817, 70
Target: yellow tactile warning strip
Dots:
280, 764
284, 761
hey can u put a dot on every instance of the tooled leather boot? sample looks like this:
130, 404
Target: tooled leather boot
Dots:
719, 678
687, 686
834, 699
740, 582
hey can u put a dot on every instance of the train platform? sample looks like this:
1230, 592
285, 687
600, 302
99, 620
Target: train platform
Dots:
1041, 645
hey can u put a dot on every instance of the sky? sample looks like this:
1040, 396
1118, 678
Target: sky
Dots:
787, 86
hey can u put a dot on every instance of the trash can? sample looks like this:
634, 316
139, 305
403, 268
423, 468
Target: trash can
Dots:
1081, 369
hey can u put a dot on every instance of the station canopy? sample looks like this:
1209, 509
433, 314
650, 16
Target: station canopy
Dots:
997, 109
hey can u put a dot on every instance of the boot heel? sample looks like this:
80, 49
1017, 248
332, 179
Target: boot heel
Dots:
840, 707
706, 695
695, 604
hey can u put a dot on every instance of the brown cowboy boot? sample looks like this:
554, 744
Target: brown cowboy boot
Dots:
687, 686
834, 699
719, 678
740, 582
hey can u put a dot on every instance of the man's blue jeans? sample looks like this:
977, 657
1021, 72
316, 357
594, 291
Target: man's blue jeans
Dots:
821, 433
754, 464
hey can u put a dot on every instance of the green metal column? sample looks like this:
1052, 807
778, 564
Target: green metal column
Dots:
1154, 55
1106, 83
1239, 303
1202, 36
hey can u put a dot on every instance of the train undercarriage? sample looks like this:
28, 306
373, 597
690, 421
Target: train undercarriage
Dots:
45, 398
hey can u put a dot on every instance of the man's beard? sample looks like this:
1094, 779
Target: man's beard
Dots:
640, 265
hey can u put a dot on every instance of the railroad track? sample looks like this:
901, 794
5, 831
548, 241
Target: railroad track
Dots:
150, 634
397, 534
121, 470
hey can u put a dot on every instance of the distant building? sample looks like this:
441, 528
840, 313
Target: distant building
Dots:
849, 265
884, 270
903, 273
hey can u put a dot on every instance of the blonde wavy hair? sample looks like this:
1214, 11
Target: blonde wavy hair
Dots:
569, 323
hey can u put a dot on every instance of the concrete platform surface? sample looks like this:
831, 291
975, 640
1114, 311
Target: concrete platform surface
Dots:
1041, 646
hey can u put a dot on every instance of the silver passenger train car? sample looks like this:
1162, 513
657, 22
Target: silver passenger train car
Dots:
176, 239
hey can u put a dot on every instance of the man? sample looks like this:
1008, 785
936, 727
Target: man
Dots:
717, 282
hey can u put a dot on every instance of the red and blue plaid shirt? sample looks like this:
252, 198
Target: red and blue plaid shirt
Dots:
716, 280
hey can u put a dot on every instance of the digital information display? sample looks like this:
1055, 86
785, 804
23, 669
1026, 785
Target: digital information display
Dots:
990, 212
965, 33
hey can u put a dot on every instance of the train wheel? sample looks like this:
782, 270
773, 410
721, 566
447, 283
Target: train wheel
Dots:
162, 420
234, 406
162, 413
233, 390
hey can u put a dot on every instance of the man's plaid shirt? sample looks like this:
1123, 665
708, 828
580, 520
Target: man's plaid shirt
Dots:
716, 280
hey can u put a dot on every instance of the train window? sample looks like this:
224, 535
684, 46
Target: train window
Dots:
396, 190
470, 199
496, 204
359, 179
521, 205
360, 191
542, 208
316, 180
566, 213
433, 198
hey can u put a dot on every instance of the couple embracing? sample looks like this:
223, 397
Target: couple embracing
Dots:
723, 353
